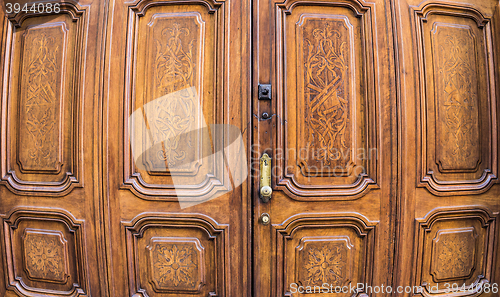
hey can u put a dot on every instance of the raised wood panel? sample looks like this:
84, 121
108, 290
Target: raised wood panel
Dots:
176, 254
319, 248
458, 110
326, 100
175, 78
44, 98
45, 253
176, 264
455, 247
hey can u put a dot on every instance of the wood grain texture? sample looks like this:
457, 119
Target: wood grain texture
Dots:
176, 254
458, 115
455, 246
327, 141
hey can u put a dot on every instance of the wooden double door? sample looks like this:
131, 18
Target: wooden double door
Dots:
132, 134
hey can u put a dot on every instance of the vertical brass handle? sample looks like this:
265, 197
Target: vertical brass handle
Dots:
265, 178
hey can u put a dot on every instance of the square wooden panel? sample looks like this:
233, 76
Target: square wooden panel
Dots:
45, 253
326, 100
455, 247
317, 249
176, 254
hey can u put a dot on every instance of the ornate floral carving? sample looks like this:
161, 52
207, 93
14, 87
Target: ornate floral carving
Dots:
176, 265
457, 99
454, 252
326, 53
41, 100
323, 262
45, 256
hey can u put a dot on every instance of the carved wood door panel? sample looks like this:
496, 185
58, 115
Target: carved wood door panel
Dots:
449, 196
330, 136
49, 200
131, 133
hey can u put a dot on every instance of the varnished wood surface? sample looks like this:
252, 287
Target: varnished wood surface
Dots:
382, 131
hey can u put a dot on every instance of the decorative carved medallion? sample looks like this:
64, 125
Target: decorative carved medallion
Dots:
176, 263
453, 254
324, 260
45, 255
326, 51
456, 97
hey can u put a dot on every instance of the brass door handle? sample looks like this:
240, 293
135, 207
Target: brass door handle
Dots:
265, 178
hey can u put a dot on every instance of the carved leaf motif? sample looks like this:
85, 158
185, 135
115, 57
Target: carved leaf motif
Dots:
40, 105
45, 257
457, 97
174, 71
455, 254
326, 72
176, 266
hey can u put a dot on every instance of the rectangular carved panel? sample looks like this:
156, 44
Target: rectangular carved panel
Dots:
453, 246
325, 52
325, 100
177, 264
322, 249
174, 85
324, 260
44, 101
176, 49
458, 145
45, 253
457, 113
